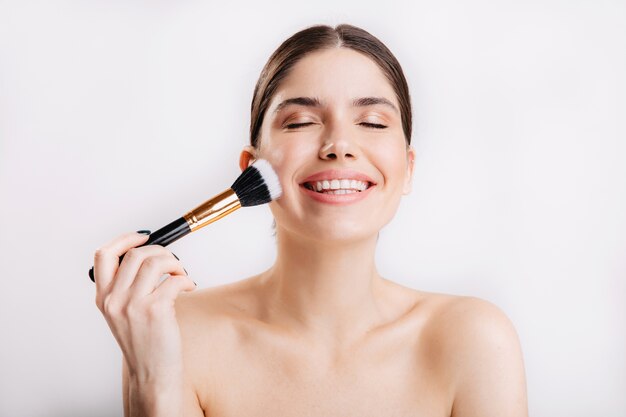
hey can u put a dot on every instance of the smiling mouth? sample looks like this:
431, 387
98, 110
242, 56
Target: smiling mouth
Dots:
336, 187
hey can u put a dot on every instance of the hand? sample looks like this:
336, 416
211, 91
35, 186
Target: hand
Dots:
139, 308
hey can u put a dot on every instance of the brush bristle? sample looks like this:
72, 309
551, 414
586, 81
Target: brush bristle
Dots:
257, 184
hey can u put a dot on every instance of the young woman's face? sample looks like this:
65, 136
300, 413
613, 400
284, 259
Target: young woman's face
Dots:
328, 129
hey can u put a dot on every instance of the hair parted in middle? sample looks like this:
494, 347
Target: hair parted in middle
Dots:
317, 38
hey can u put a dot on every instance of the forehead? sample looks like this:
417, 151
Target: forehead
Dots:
337, 75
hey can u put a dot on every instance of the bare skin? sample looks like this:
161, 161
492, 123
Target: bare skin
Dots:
321, 332
429, 355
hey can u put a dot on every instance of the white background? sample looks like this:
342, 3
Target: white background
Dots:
122, 115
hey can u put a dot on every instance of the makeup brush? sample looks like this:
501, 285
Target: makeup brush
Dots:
257, 184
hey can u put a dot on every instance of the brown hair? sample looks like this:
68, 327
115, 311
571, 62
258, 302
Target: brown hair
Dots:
317, 38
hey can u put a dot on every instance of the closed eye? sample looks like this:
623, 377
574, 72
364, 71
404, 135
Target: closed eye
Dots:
371, 125
297, 125
374, 125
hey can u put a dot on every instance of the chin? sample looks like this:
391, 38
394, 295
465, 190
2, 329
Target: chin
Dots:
340, 234
338, 230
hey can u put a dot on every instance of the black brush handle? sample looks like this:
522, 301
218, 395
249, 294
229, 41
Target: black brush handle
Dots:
164, 236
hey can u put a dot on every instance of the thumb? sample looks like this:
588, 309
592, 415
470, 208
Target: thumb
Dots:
174, 285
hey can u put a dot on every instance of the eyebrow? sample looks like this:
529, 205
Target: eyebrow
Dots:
370, 101
301, 101
315, 102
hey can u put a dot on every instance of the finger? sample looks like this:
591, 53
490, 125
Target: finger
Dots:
151, 271
106, 258
174, 285
132, 263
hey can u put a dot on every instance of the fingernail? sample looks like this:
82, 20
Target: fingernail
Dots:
144, 232
175, 256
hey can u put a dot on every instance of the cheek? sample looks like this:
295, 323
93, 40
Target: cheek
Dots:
287, 157
392, 162
277, 156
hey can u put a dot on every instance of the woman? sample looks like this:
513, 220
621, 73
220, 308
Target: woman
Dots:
320, 333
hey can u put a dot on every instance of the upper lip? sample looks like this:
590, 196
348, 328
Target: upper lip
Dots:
337, 174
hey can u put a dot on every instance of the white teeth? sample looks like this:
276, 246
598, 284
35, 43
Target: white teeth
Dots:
341, 192
336, 185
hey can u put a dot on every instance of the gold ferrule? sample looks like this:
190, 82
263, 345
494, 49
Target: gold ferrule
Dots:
213, 209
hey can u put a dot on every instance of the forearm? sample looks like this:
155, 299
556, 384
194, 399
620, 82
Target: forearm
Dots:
154, 399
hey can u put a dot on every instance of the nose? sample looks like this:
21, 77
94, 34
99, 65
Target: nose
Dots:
338, 147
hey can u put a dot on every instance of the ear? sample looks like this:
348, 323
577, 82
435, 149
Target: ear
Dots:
408, 179
247, 156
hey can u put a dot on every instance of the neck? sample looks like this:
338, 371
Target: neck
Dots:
330, 289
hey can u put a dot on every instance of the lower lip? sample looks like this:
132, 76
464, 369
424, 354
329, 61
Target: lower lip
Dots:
337, 199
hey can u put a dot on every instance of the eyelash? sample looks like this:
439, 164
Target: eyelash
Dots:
371, 125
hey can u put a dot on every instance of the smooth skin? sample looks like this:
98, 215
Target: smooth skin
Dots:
321, 332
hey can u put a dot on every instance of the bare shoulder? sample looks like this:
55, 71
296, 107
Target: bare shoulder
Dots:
210, 321
214, 308
481, 351
473, 321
